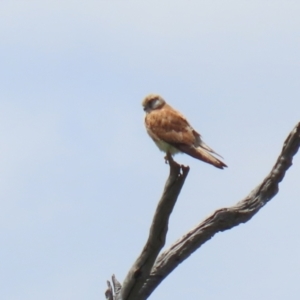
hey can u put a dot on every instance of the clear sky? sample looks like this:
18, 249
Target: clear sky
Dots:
80, 178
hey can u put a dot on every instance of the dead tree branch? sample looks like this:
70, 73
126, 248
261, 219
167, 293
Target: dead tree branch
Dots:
113, 293
225, 218
149, 270
140, 270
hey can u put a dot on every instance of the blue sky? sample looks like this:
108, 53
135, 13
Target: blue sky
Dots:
80, 178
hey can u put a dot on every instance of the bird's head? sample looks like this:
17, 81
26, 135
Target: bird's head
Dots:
152, 102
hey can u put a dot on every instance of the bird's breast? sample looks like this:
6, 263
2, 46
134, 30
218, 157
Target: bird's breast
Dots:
165, 147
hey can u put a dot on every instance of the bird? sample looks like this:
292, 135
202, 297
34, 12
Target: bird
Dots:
173, 134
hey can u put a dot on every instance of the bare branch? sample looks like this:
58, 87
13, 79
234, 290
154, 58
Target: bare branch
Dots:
140, 270
223, 219
113, 294
109, 294
117, 287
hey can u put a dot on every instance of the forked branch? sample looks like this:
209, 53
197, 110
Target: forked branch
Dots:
225, 218
150, 270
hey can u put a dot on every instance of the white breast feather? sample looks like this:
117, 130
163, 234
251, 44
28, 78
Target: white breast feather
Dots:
165, 147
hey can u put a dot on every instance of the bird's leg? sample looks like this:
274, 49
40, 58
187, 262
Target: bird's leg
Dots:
172, 163
168, 157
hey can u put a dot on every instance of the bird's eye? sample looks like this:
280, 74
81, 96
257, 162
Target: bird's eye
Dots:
153, 102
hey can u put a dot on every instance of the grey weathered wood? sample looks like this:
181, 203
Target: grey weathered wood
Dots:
223, 219
140, 270
109, 294
150, 270
113, 293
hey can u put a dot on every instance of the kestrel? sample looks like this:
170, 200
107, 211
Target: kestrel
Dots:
173, 134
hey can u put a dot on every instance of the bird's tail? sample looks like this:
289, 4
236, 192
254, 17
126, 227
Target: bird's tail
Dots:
203, 154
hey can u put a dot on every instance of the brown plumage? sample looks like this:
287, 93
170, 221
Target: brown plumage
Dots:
172, 133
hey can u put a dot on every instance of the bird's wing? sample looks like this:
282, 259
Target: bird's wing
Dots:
200, 143
169, 126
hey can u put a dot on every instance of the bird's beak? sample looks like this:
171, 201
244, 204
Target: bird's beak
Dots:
144, 108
